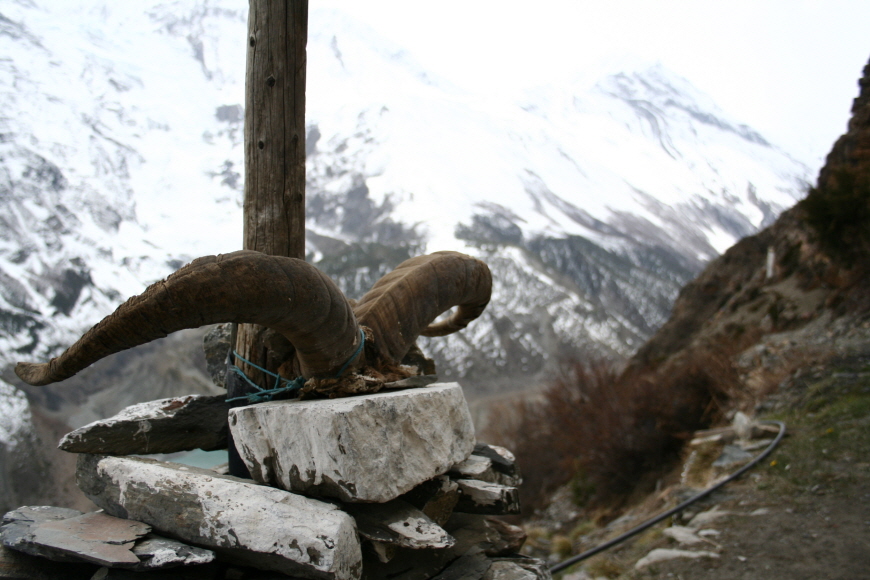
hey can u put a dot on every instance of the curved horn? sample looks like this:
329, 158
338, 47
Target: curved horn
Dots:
402, 305
287, 295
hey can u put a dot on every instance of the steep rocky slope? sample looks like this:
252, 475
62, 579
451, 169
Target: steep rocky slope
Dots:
804, 276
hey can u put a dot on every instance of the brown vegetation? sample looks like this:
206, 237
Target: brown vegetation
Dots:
605, 433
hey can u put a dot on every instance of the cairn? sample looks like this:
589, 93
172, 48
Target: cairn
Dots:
385, 485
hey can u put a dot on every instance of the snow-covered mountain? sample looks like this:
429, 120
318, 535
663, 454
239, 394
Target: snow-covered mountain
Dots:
593, 201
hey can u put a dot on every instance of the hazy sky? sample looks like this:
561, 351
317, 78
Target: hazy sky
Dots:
788, 68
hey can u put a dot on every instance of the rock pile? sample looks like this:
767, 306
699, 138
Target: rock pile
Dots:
386, 485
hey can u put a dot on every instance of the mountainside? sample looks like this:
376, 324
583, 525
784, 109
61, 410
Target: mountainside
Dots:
593, 202
778, 327
794, 294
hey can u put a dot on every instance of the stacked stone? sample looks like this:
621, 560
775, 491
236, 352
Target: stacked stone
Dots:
383, 485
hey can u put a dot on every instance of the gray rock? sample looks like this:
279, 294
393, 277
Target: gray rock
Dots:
216, 345
474, 535
163, 426
370, 448
95, 537
400, 524
245, 523
38, 514
504, 463
481, 497
18, 525
474, 467
155, 552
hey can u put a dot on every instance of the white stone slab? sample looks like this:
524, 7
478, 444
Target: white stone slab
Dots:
246, 523
370, 448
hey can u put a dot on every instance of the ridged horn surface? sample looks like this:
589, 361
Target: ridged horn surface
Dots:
287, 295
403, 304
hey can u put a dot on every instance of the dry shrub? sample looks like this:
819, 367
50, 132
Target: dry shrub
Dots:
605, 432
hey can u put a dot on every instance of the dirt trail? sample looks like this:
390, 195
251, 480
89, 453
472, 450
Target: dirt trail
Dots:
803, 513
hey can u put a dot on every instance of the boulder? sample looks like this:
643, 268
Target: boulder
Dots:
370, 448
245, 523
162, 426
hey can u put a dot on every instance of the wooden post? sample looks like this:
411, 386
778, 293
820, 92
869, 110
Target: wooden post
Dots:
274, 207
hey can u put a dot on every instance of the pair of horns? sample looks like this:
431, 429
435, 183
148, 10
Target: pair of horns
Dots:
293, 298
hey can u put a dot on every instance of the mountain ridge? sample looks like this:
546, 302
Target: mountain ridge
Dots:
593, 208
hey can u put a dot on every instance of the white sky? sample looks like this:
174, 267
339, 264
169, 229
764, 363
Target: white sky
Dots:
787, 68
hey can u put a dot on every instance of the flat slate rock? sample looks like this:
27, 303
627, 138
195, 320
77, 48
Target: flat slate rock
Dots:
369, 448
163, 426
18, 525
245, 523
65, 535
504, 463
481, 497
95, 537
398, 523
20, 566
156, 552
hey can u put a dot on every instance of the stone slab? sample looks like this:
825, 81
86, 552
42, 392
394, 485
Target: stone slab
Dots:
245, 523
95, 537
66, 535
398, 523
20, 566
162, 426
504, 464
370, 448
481, 497
18, 526
156, 552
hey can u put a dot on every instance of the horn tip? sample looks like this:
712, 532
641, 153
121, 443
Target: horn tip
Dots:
36, 374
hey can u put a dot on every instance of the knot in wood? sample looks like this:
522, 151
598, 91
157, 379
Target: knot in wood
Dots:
270, 81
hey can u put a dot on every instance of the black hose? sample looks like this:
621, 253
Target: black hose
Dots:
649, 523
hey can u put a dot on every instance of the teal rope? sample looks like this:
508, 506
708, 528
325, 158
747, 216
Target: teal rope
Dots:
262, 395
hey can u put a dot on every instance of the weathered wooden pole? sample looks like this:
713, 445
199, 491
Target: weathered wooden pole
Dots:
274, 207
